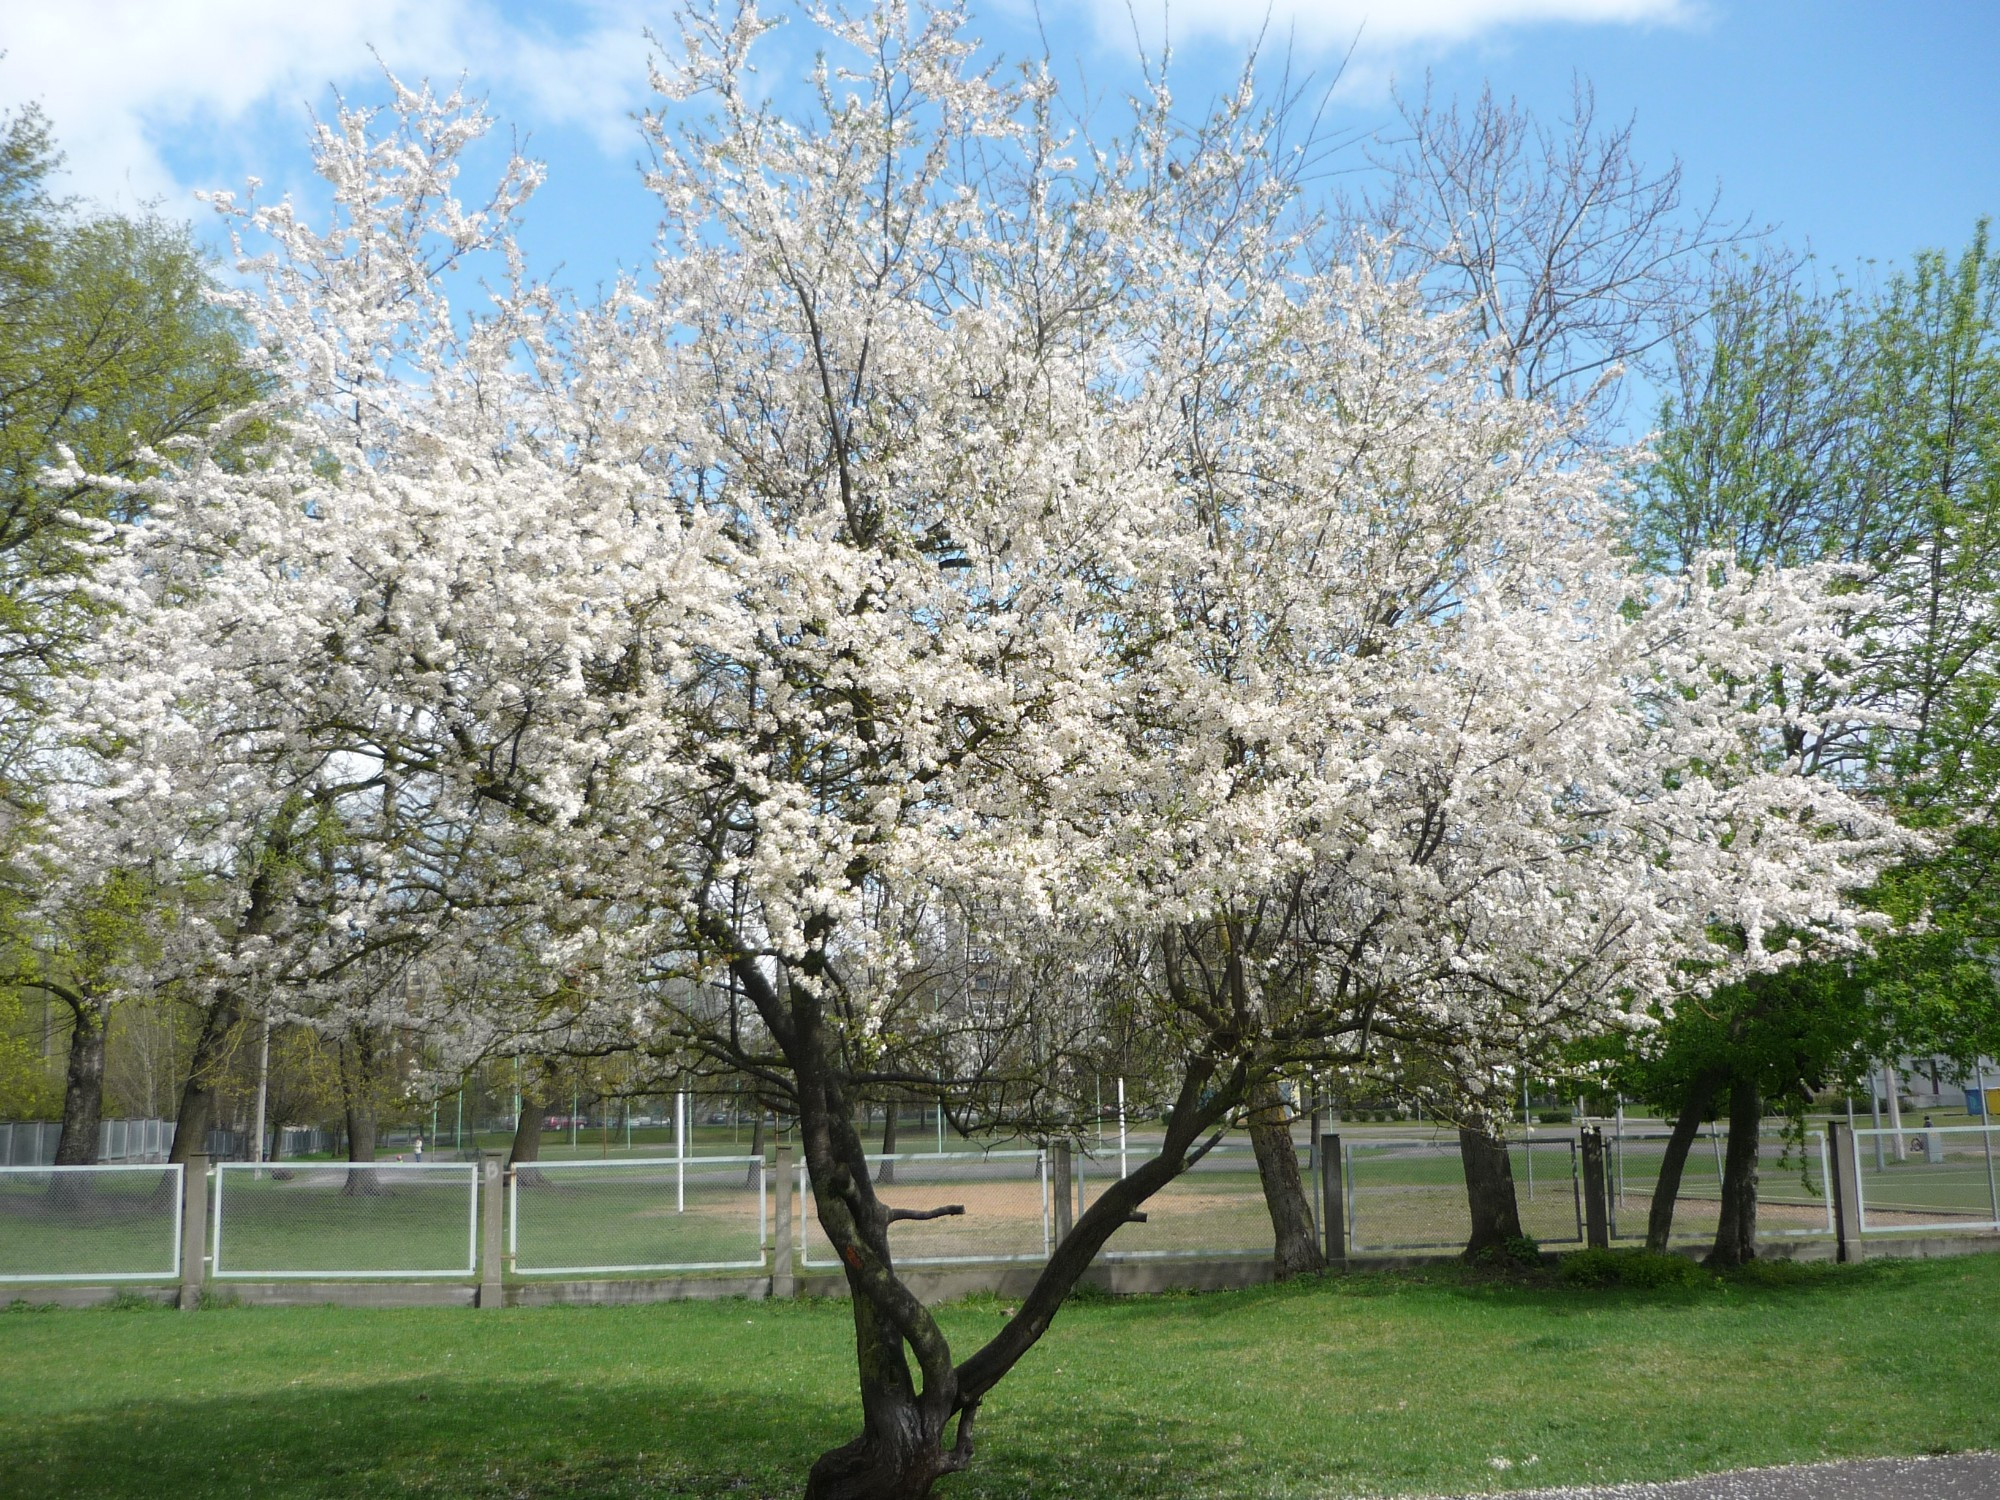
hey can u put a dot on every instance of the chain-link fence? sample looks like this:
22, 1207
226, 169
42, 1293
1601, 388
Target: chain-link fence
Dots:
1410, 1194
32, 1143
1008, 1213
134, 1140
1930, 1178
1792, 1197
329, 1220
609, 1217
90, 1223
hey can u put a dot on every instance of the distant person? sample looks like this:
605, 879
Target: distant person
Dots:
420, 1150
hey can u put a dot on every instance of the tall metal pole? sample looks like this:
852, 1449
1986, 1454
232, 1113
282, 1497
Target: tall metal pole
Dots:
1123, 1169
1890, 1082
1875, 1104
263, 1087
680, 1151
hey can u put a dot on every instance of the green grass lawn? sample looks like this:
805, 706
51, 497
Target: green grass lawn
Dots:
1365, 1385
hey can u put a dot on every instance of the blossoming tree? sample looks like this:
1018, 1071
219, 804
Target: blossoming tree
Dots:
978, 547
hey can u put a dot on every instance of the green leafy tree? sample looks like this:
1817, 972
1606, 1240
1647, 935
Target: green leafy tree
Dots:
110, 350
1809, 425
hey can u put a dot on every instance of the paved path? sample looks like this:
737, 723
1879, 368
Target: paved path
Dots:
1960, 1476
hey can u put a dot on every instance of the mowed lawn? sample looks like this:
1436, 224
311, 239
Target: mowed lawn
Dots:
1381, 1384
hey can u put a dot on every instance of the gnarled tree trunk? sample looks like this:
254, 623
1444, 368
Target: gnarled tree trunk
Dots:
1295, 1249
1666, 1191
1489, 1189
907, 1414
1736, 1230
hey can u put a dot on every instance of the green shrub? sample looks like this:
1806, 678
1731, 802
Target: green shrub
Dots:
1514, 1251
1631, 1268
1554, 1117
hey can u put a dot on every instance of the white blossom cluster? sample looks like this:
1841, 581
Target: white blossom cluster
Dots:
965, 511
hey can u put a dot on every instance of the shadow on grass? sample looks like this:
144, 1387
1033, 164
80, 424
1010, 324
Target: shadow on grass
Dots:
440, 1440
429, 1438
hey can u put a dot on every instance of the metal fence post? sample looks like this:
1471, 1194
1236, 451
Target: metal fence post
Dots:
194, 1228
1065, 1191
1333, 1199
1846, 1188
1596, 1202
783, 1283
492, 1200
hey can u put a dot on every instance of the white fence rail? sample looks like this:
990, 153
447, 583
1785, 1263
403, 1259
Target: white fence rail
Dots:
1926, 1178
336, 1220
94, 1224
615, 1216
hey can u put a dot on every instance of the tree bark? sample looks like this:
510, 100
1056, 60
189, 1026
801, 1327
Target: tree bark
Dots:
757, 1147
887, 1174
1295, 1250
358, 1058
1489, 1190
527, 1147
196, 1114
1736, 1230
83, 1085
363, 1182
1666, 1191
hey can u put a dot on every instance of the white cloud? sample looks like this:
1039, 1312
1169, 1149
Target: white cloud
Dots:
1374, 28
132, 85
122, 80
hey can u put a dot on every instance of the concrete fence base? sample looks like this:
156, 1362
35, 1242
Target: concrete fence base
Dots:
1117, 1278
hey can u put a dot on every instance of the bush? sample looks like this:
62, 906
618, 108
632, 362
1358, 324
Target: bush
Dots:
1554, 1117
1514, 1251
1631, 1268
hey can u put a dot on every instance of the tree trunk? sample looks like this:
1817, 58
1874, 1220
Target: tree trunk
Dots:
197, 1108
527, 1147
1667, 1191
900, 1452
887, 1174
362, 1182
1736, 1231
757, 1147
83, 1087
1296, 1244
1489, 1190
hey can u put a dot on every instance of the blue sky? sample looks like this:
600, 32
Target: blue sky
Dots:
1866, 130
